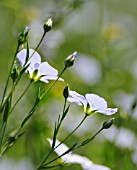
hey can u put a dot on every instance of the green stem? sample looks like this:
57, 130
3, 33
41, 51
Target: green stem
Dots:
54, 81
20, 97
63, 141
3, 132
39, 43
5, 89
73, 149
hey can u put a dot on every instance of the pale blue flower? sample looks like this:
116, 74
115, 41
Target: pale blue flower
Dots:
92, 103
37, 70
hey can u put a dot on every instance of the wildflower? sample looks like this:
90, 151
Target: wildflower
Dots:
92, 103
70, 60
108, 123
85, 163
37, 70
48, 25
23, 36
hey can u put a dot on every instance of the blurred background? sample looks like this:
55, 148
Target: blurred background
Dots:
104, 33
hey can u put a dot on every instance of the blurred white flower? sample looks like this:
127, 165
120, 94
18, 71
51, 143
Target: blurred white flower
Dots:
87, 69
125, 138
37, 70
92, 103
9, 164
76, 159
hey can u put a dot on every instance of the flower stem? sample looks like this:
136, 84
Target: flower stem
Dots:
54, 81
62, 142
5, 89
20, 97
90, 139
39, 43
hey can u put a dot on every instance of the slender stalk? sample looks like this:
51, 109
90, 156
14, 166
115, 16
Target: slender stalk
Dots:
20, 97
54, 81
90, 139
63, 141
39, 43
5, 89
72, 150
3, 132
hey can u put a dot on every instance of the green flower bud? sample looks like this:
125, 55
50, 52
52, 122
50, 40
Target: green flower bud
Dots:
108, 123
48, 25
70, 60
66, 92
23, 36
14, 72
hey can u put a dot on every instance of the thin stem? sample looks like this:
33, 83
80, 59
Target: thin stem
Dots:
54, 81
20, 97
3, 132
72, 131
73, 149
5, 89
64, 140
39, 43
90, 139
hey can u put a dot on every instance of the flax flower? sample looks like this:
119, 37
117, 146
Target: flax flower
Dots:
92, 103
37, 70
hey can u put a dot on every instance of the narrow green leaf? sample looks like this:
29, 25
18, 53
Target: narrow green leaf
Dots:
6, 109
69, 150
85, 142
54, 136
65, 113
27, 54
26, 119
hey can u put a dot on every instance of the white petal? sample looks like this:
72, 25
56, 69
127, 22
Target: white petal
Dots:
47, 70
96, 102
74, 100
61, 149
108, 111
21, 56
78, 97
98, 167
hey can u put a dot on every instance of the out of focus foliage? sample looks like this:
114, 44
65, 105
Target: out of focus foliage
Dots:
104, 34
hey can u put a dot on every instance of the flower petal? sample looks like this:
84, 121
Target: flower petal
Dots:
74, 100
46, 78
21, 56
78, 97
108, 111
61, 149
96, 102
46, 70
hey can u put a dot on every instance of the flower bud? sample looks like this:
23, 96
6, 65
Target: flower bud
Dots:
23, 36
108, 123
66, 92
70, 60
48, 25
14, 72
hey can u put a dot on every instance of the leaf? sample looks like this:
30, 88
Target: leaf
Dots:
65, 113
85, 142
27, 54
7, 108
26, 119
69, 150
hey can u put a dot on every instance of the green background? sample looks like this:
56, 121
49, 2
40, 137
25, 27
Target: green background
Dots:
104, 33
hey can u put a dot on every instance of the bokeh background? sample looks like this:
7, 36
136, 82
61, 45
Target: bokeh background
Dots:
104, 32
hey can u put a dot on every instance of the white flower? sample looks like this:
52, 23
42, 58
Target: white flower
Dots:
76, 159
92, 103
37, 70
